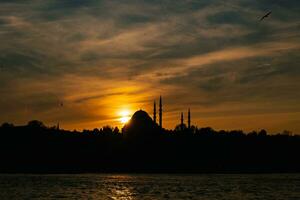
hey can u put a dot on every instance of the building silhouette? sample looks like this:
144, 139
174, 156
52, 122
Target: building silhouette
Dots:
181, 122
160, 112
189, 119
141, 126
154, 112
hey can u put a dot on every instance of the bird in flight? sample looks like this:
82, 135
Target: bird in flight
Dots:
265, 16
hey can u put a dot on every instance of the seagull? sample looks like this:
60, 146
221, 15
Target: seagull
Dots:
265, 16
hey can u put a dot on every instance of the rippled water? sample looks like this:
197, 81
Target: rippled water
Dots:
103, 186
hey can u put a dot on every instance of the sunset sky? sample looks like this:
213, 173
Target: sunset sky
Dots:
83, 63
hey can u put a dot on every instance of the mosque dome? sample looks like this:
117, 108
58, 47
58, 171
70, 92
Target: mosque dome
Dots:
141, 117
140, 124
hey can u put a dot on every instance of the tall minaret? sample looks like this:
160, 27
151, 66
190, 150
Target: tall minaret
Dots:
154, 112
189, 119
181, 122
160, 112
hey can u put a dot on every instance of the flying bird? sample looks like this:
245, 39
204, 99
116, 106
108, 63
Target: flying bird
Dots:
265, 16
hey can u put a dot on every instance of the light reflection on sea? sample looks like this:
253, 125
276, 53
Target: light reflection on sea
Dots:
136, 187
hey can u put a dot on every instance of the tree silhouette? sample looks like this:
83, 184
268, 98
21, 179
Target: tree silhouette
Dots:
143, 146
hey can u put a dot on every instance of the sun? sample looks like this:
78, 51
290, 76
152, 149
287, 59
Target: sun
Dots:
124, 116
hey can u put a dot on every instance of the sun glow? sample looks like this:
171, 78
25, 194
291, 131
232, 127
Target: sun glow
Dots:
125, 116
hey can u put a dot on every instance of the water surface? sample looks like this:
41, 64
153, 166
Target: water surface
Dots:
123, 186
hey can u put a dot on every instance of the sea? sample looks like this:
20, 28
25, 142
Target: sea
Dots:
151, 186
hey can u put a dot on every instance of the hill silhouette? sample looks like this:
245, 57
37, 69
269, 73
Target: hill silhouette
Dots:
143, 147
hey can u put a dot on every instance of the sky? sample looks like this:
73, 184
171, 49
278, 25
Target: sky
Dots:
84, 62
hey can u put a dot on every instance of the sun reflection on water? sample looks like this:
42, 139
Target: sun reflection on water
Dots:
121, 191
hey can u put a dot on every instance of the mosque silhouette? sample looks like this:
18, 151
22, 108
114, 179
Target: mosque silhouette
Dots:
141, 124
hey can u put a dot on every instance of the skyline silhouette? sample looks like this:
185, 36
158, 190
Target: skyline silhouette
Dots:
126, 119
142, 146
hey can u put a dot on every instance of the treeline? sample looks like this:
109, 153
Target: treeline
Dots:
36, 148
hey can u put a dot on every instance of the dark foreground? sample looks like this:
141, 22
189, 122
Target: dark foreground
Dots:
37, 149
162, 186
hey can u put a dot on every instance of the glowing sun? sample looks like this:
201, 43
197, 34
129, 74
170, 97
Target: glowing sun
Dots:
124, 116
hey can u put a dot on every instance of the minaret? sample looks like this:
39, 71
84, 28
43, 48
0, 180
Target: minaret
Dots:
181, 123
189, 119
154, 112
160, 112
